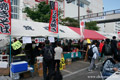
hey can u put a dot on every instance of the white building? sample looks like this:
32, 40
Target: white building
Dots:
69, 9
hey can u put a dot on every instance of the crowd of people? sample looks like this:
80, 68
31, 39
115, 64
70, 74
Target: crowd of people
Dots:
109, 53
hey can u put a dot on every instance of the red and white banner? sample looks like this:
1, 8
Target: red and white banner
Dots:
5, 17
42, 1
53, 23
39, 40
82, 26
119, 35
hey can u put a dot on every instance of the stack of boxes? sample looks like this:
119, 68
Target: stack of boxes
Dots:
68, 61
38, 67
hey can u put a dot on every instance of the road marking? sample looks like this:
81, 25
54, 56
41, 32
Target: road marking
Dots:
77, 71
67, 71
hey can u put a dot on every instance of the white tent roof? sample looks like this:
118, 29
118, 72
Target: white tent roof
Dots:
4, 39
29, 28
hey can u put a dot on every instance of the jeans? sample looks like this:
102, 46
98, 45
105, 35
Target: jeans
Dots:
106, 74
57, 62
92, 64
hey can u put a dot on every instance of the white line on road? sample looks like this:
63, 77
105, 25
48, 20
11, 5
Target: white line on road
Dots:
66, 71
77, 71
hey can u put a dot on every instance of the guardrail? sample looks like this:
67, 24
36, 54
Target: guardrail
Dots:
117, 11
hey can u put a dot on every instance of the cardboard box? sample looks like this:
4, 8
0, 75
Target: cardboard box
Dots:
40, 71
3, 64
4, 71
68, 61
19, 66
38, 66
27, 74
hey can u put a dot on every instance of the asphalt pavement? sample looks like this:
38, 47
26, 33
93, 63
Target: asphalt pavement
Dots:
77, 70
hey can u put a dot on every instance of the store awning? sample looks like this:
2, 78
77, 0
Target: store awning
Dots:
22, 28
89, 34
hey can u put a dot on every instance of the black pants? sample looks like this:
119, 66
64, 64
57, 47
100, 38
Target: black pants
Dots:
47, 64
57, 62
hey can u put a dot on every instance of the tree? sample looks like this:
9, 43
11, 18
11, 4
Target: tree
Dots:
91, 25
69, 22
41, 13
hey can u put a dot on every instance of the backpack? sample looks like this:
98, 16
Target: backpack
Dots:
108, 49
48, 53
58, 76
90, 52
55, 75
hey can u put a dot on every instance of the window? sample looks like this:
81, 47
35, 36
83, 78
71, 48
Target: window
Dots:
82, 4
15, 9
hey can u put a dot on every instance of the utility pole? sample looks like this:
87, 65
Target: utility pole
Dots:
79, 13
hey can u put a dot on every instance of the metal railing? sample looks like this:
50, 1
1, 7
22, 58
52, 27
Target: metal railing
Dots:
117, 11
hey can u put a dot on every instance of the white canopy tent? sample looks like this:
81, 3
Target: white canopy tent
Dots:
29, 28
4, 39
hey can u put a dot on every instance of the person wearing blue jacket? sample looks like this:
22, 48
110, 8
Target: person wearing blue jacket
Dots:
110, 66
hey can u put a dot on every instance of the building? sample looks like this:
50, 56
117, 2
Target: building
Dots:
86, 7
69, 9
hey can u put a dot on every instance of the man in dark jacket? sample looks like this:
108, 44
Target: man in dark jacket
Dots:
107, 49
48, 59
114, 45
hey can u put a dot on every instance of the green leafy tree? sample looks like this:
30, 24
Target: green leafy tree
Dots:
91, 25
69, 22
41, 13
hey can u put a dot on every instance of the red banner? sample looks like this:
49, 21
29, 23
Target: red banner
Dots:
42, 1
119, 35
5, 17
53, 23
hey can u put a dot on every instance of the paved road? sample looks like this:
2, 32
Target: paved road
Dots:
76, 71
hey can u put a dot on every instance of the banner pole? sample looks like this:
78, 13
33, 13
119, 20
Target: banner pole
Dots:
58, 21
10, 48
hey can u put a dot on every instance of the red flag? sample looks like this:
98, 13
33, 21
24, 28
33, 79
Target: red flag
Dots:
53, 23
82, 25
42, 1
5, 17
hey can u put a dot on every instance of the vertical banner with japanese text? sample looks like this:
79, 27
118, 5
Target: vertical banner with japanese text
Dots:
53, 23
82, 26
5, 17
119, 35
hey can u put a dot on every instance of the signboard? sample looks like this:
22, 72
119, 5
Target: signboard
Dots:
53, 23
16, 45
5, 17
51, 39
39, 40
26, 39
95, 19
